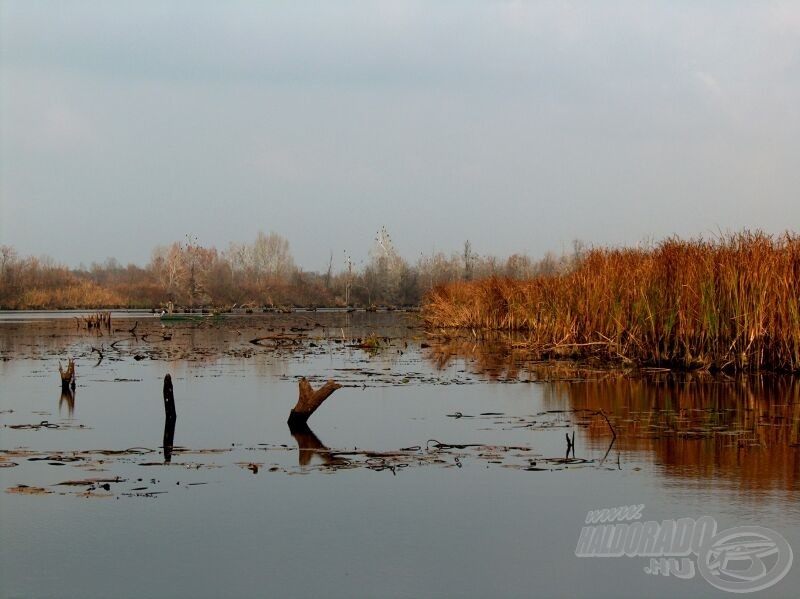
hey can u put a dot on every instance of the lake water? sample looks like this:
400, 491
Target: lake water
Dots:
440, 469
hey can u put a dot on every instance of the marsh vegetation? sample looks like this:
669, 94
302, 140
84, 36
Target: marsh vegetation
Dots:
727, 304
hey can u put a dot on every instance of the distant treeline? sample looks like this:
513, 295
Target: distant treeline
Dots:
251, 275
727, 304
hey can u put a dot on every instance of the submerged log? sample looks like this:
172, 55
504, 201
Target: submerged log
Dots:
310, 400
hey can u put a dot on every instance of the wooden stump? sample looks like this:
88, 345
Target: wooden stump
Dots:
310, 400
170, 417
169, 398
67, 375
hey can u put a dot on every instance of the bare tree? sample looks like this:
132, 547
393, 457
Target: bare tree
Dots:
468, 260
349, 278
519, 266
329, 272
8, 256
271, 257
385, 269
183, 269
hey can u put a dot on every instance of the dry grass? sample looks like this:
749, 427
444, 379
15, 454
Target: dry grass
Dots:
80, 294
729, 304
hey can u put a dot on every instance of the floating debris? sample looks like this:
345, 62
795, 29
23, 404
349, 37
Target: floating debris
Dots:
88, 482
26, 490
36, 427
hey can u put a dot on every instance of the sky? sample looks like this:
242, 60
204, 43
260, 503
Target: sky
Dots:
519, 126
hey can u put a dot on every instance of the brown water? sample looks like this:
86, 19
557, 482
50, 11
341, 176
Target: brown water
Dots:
439, 470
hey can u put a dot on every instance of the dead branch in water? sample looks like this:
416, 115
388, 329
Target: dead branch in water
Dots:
570, 444
164, 337
279, 340
608, 422
100, 353
132, 330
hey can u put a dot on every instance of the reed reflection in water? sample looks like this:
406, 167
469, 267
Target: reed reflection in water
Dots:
743, 430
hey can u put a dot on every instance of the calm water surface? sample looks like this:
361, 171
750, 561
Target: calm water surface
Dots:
438, 470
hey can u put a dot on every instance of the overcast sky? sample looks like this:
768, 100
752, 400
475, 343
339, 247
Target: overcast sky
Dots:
517, 125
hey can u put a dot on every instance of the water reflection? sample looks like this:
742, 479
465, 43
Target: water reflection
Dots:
494, 356
309, 446
169, 437
742, 431
186, 344
746, 428
67, 399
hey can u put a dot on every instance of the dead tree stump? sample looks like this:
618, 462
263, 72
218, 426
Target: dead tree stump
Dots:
310, 400
67, 375
169, 398
169, 418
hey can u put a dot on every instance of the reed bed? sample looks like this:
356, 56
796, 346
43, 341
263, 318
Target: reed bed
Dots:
727, 304
80, 294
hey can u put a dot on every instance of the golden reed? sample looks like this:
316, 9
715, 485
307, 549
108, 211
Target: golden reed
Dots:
77, 294
727, 304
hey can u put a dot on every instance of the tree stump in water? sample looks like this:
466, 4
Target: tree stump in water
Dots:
310, 400
169, 398
170, 417
67, 375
